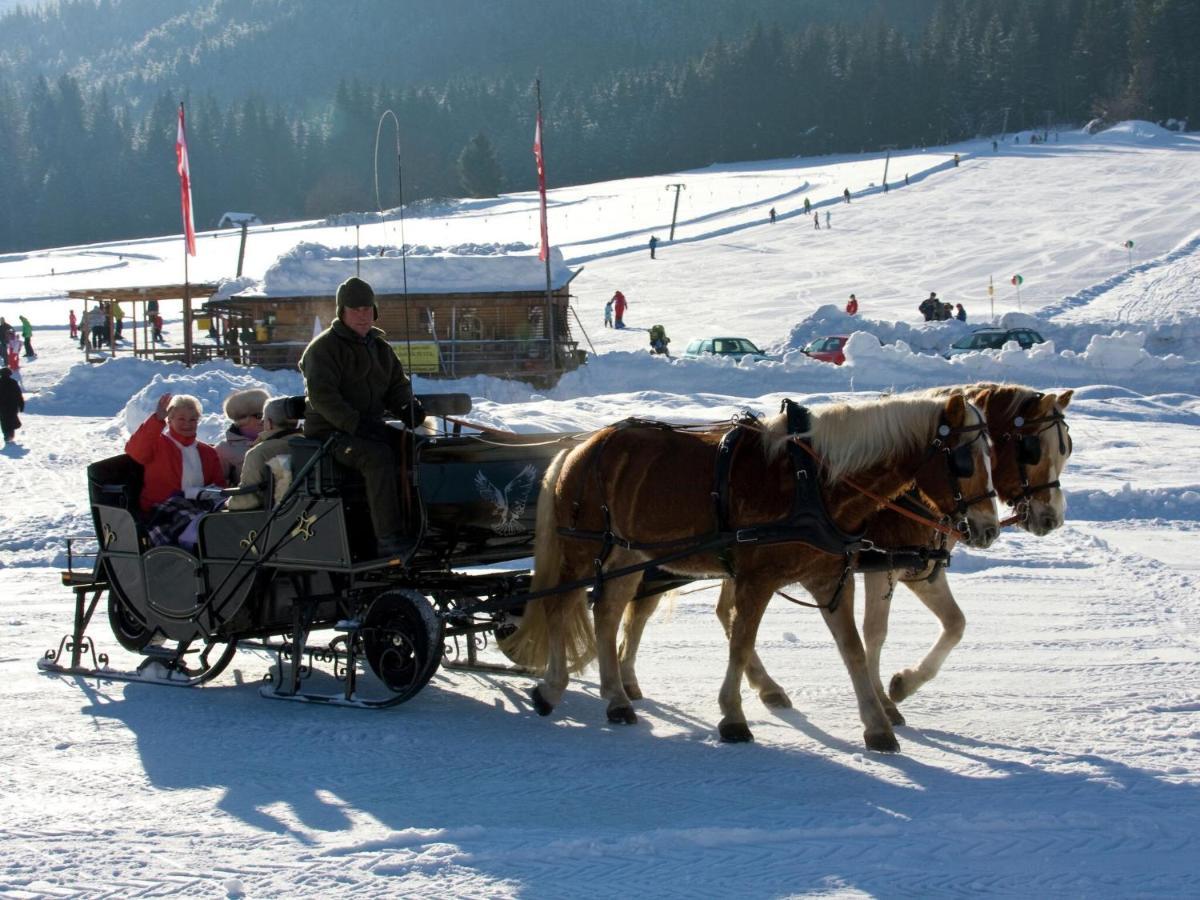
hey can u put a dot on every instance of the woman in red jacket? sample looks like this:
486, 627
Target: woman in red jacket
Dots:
175, 467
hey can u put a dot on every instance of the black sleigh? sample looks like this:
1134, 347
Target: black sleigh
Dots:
300, 581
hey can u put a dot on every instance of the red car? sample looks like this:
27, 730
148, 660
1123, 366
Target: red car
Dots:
827, 349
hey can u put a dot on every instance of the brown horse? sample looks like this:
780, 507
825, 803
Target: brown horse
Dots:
648, 488
1031, 450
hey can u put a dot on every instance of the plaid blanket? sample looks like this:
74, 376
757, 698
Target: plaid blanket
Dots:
175, 520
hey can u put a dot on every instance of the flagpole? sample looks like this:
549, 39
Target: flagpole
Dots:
545, 233
187, 287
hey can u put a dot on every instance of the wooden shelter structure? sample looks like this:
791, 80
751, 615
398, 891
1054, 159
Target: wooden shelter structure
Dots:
460, 316
112, 310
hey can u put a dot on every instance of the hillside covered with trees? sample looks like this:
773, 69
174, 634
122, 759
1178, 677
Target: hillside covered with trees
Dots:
283, 98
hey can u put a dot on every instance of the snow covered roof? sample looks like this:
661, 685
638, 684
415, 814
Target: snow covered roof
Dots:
315, 270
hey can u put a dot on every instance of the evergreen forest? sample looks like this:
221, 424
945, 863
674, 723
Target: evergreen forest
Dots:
87, 150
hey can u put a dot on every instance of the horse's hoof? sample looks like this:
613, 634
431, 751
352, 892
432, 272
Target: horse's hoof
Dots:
776, 699
735, 733
539, 703
897, 689
622, 715
894, 715
884, 742
632, 691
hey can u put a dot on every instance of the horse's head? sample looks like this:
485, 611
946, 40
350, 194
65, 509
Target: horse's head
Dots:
957, 474
1032, 450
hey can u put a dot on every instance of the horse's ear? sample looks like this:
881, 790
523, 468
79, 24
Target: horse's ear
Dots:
956, 410
1045, 404
983, 399
1064, 398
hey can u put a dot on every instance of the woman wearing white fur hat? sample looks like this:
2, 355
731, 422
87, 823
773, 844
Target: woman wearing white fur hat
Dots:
244, 409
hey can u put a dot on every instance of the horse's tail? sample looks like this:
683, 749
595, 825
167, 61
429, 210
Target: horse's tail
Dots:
529, 645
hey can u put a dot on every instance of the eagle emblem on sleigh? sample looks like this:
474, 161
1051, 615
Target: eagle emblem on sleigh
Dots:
510, 503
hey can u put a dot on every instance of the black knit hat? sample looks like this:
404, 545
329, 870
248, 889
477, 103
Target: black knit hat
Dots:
354, 293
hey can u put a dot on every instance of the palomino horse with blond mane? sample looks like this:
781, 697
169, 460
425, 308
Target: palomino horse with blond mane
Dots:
639, 494
1032, 446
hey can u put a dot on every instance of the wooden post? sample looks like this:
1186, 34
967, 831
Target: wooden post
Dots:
675, 211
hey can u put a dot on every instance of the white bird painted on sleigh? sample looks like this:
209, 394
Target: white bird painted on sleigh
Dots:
510, 503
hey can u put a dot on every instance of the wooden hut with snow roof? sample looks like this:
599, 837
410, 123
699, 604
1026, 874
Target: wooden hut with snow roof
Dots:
446, 314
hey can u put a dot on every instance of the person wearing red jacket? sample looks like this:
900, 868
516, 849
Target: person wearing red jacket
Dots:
620, 304
175, 467
852, 305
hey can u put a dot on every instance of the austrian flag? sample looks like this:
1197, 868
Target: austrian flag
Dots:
185, 185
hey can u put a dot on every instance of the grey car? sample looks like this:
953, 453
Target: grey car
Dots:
737, 347
994, 339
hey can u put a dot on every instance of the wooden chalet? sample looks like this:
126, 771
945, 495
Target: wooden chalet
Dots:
448, 316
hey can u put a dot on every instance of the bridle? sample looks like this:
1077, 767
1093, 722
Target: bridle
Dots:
960, 463
1027, 433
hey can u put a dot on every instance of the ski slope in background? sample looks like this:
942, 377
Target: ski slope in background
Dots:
1057, 754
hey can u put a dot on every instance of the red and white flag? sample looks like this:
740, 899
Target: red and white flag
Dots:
185, 184
544, 253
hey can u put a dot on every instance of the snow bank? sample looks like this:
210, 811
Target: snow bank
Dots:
311, 269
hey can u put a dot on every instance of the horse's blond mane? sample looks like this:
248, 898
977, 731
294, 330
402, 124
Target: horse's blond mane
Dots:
853, 437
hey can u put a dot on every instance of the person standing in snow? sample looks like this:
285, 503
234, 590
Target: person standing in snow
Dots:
817, 221
620, 304
6, 331
846, 194
12, 401
27, 334
929, 307
653, 245
74, 323
827, 218
852, 306
807, 206
960, 313
771, 213
608, 313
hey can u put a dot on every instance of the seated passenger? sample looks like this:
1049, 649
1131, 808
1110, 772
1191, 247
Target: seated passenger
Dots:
278, 429
244, 409
352, 377
175, 467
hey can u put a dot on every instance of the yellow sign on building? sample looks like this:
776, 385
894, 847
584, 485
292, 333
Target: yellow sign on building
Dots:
425, 357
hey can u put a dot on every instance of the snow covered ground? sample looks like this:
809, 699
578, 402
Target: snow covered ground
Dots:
1058, 754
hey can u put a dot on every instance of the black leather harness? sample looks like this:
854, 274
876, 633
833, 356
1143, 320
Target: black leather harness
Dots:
807, 522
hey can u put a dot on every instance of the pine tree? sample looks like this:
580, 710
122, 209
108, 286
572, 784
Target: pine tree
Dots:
477, 168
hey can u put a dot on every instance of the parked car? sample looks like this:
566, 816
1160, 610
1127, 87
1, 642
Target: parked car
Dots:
827, 349
994, 339
737, 347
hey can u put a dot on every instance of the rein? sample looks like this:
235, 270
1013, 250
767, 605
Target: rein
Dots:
879, 498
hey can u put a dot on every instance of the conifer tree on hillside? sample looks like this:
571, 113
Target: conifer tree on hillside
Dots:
477, 168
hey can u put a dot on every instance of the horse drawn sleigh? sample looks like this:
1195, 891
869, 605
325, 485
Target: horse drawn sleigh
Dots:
623, 515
